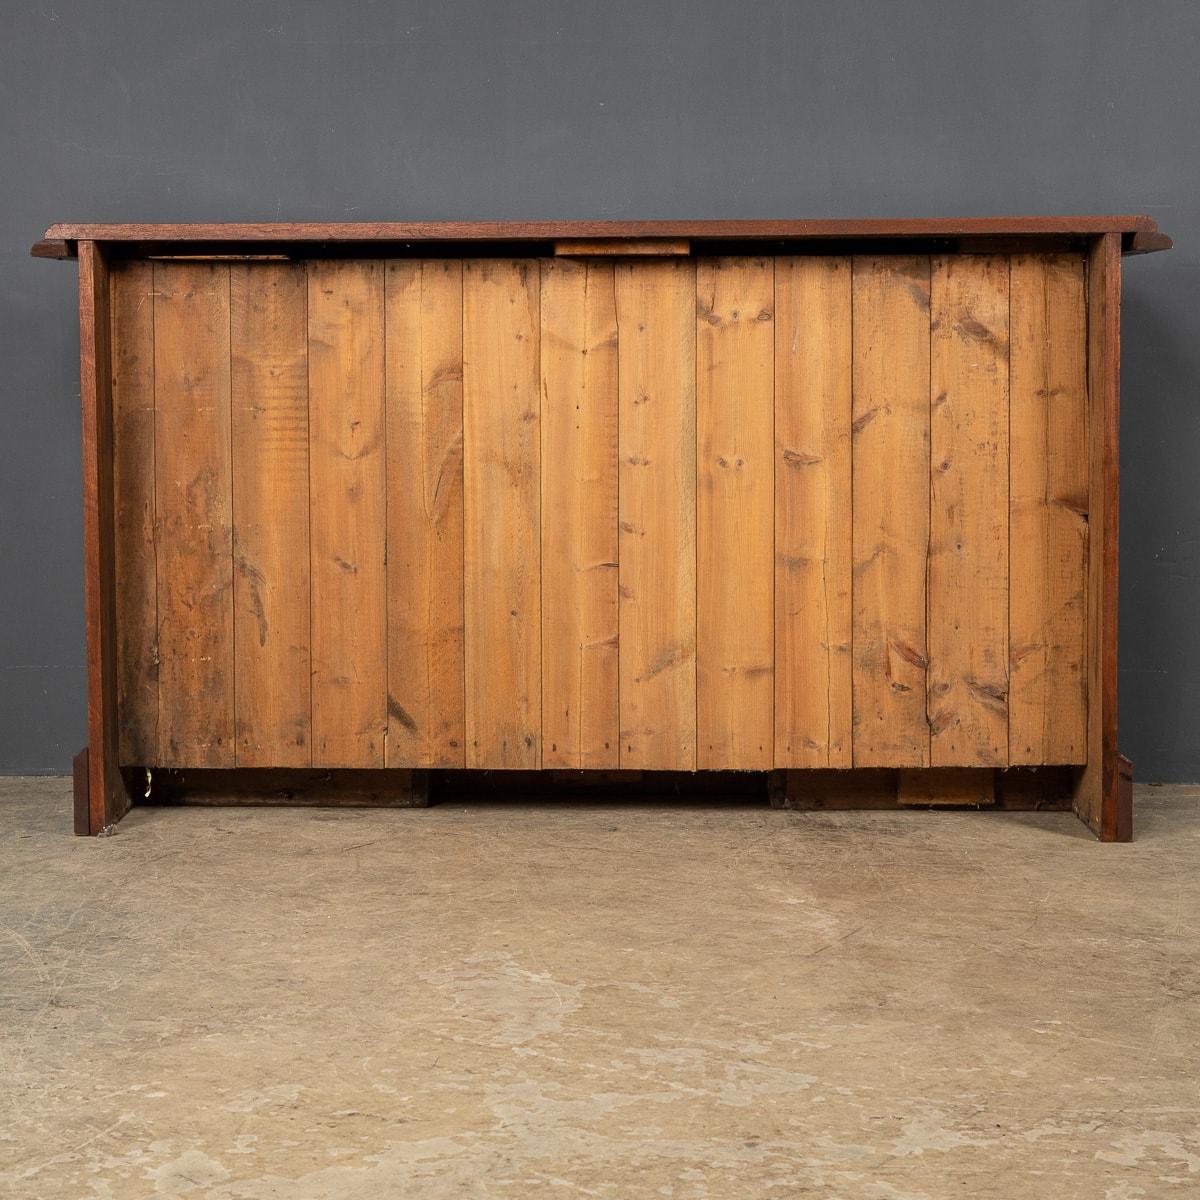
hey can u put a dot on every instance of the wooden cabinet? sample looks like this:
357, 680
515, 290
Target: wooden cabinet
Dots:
831, 501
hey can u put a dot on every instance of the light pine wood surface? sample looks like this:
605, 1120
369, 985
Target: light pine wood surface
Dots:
618, 513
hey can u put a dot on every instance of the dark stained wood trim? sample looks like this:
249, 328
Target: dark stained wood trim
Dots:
1097, 794
1124, 821
107, 800
52, 249
1145, 243
58, 239
1015, 789
79, 791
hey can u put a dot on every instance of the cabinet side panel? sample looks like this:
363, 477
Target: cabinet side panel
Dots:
426, 702
1048, 511
579, 515
968, 536
193, 514
735, 593
656, 322
269, 351
890, 435
132, 302
501, 461
813, 525
348, 513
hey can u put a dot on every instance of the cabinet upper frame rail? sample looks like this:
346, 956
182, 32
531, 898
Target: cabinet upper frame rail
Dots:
1139, 233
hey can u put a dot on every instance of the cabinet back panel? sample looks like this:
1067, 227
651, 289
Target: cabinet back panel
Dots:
663, 514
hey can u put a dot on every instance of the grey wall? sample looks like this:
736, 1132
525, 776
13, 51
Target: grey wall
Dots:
494, 108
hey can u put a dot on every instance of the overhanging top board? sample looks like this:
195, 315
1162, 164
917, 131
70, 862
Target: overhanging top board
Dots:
1139, 234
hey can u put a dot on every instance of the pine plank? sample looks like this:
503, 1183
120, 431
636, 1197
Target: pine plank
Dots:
1048, 511
132, 308
890, 433
968, 536
501, 476
735, 518
426, 701
193, 515
814, 705
347, 513
580, 714
656, 322
272, 667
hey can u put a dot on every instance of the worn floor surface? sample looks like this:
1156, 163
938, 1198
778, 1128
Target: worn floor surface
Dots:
597, 1001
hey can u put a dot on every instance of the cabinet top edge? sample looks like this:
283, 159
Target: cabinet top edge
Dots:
1139, 233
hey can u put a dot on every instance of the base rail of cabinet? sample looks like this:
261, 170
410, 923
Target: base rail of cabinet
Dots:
1016, 789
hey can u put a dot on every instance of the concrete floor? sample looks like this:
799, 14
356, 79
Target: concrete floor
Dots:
597, 1001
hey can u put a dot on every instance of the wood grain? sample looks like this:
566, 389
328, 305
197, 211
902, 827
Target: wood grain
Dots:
1099, 798
813, 518
106, 797
347, 513
132, 302
1048, 511
426, 671
973, 787
890, 432
656, 322
501, 454
193, 515
580, 712
272, 661
409, 231
735, 552
968, 536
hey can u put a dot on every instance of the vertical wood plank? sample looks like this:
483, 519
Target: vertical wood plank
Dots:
1048, 507
106, 796
1099, 798
132, 288
347, 513
813, 520
968, 536
193, 514
580, 712
890, 433
501, 456
656, 322
735, 598
426, 701
269, 375
891, 509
